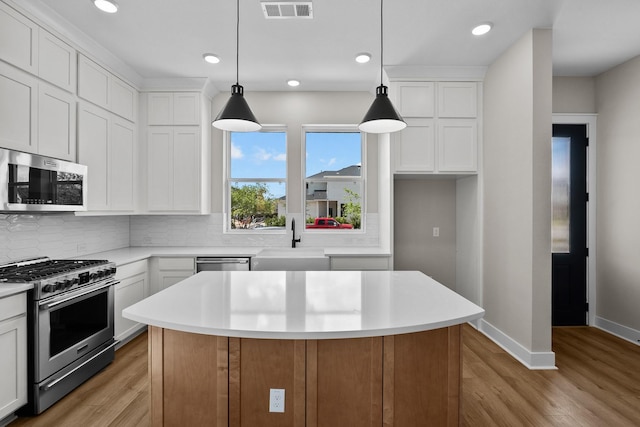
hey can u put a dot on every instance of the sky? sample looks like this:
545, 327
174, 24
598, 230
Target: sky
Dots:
263, 154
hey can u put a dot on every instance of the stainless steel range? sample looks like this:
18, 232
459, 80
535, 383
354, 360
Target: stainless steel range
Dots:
70, 312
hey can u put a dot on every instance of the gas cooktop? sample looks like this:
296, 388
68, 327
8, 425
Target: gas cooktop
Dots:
51, 276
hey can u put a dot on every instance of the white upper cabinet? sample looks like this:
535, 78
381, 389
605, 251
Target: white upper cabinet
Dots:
441, 136
174, 108
414, 147
178, 151
56, 123
99, 86
56, 61
35, 50
18, 39
36, 117
458, 99
18, 112
174, 169
107, 145
457, 145
414, 99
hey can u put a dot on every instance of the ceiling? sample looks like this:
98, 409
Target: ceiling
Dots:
166, 38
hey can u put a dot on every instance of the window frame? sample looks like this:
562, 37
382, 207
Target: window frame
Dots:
228, 180
334, 128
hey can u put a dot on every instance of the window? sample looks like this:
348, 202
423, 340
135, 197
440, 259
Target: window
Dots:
333, 183
257, 180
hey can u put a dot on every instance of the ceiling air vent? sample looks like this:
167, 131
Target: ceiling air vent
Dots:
287, 9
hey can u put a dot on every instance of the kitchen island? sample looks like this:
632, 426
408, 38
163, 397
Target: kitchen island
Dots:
353, 348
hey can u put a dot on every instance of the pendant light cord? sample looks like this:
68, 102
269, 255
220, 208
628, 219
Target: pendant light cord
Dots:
237, 42
381, 41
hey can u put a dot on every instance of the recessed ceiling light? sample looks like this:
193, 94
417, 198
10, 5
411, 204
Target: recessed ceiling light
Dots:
211, 58
108, 6
293, 83
482, 29
363, 58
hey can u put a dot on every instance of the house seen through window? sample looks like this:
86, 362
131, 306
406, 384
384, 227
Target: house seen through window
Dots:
257, 180
333, 179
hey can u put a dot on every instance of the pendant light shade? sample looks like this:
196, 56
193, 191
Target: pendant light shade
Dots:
236, 116
382, 117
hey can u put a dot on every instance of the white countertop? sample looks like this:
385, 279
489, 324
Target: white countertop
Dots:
8, 289
305, 304
136, 253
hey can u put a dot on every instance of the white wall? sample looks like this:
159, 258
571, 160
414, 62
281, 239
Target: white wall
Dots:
516, 199
574, 95
618, 204
60, 235
419, 206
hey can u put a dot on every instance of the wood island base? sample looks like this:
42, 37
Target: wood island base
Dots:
396, 380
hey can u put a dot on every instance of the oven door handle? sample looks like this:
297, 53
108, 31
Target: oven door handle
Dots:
52, 384
47, 306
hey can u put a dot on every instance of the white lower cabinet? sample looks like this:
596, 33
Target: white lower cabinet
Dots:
133, 287
360, 263
13, 353
167, 271
107, 145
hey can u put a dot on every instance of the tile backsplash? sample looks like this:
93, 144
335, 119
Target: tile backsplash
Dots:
59, 235
66, 235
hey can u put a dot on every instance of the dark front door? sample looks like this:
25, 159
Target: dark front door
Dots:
569, 225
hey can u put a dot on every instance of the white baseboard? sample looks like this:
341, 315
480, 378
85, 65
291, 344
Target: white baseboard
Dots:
621, 331
534, 360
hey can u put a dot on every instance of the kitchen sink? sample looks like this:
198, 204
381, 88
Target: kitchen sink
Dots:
291, 259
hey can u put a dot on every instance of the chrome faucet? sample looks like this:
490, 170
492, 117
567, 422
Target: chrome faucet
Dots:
293, 233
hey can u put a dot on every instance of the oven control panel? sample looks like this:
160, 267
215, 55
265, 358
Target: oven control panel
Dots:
65, 282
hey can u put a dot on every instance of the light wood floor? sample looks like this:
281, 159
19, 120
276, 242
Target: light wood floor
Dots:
597, 384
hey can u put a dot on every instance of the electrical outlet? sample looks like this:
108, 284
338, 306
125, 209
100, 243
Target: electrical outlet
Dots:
276, 400
436, 231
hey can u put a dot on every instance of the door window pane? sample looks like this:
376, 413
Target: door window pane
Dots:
560, 191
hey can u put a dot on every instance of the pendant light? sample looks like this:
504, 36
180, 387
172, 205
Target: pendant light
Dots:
382, 117
236, 116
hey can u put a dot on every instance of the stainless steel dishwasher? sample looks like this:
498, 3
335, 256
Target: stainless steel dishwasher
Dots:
222, 264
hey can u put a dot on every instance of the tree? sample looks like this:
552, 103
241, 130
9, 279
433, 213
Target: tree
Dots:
352, 209
251, 201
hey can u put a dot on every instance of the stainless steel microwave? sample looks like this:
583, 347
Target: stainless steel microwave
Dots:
29, 182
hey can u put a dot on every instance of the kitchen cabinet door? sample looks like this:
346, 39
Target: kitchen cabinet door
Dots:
123, 99
186, 169
133, 287
122, 158
18, 124
414, 146
167, 272
93, 142
107, 145
174, 169
19, 37
93, 82
13, 353
173, 108
457, 145
56, 61
458, 99
56, 123
160, 169
414, 99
